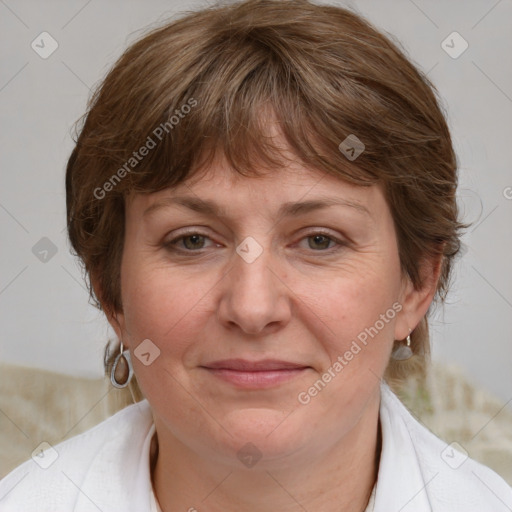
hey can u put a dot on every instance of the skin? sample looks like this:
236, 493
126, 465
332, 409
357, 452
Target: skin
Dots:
299, 301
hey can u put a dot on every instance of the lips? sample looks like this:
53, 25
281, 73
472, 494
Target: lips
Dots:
255, 375
265, 365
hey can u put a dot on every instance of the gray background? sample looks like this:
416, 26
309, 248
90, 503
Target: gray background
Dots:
45, 316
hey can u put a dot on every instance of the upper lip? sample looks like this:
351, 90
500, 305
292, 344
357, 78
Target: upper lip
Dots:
245, 365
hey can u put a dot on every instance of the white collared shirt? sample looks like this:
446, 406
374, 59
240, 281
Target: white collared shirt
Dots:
107, 468
155, 506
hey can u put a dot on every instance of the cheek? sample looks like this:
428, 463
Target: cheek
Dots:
354, 318
352, 302
163, 308
355, 335
164, 305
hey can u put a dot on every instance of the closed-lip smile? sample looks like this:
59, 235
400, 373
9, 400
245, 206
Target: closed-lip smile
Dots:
254, 366
255, 374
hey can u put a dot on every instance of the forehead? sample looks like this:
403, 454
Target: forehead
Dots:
290, 181
289, 191
288, 178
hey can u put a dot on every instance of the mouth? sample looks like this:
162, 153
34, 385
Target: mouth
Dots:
255, 374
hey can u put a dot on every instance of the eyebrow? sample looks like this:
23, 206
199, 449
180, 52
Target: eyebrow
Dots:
287, 209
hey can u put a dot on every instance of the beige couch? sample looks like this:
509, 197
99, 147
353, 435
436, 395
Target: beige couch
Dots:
37, 406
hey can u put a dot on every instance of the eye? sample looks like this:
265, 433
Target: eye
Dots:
188, 242
321, 242
318, 241
195, 242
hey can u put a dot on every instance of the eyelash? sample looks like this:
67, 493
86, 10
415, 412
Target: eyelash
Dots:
171, 245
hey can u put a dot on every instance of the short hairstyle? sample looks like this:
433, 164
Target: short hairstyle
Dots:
201, 85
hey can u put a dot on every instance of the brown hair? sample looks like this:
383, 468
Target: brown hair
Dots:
198, 86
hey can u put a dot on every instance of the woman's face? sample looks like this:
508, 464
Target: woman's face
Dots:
297, 266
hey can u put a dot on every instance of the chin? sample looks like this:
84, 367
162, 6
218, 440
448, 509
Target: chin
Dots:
267, 434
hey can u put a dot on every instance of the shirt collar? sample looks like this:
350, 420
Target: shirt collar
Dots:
118, 478
400, 482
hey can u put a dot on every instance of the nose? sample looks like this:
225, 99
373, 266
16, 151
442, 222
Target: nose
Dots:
254, 297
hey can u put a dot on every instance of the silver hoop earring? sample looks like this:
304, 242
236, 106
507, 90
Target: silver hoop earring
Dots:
403, 352
122, 371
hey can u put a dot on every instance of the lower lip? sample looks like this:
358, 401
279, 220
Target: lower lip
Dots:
256, 380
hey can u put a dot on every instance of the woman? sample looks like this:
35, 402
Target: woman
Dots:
263, 197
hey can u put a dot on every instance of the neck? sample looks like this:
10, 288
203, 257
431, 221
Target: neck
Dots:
340, 479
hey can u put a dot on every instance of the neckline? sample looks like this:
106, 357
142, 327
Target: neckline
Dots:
155, 506
153, 457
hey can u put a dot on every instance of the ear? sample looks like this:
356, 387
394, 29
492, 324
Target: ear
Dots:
415, 302
116, 320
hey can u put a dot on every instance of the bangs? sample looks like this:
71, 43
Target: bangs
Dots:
235, 99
